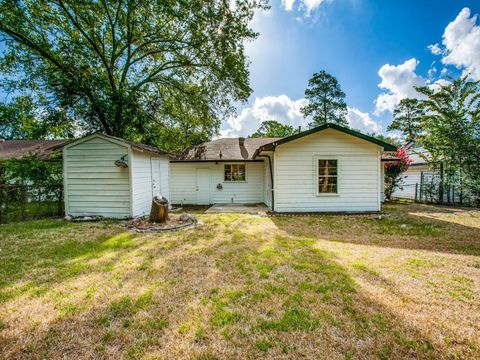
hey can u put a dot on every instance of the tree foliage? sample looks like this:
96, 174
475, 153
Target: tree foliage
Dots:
385, 138
451, 131
272, 128
146, 70
393, 174
32, 171
326, 101
408, 118
23, 119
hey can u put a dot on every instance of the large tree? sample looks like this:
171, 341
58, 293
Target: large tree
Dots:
326, 101
23, 118
451, 131
407, 118
273, 128
143, 69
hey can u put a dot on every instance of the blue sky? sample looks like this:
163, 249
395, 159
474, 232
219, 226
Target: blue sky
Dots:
354, 40
377, 49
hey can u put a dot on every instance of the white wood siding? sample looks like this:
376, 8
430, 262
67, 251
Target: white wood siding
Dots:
141, 183
183, 184
93, 184
142, 191
296, 177
165, 178
411, 177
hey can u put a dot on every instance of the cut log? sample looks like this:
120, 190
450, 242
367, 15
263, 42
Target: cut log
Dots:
159, 210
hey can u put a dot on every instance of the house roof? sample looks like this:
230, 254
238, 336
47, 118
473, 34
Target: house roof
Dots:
20, 148
139, 146
272, 145
226, 149
134, 145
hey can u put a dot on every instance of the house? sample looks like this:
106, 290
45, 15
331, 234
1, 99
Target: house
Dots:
44, 149
413, 177
326, 169
422, 183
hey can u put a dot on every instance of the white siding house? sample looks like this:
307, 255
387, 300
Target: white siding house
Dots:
412, 178
358, 176
325, 169
204, 183
95, 186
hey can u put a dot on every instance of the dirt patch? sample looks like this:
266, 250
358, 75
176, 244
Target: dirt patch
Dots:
175, 222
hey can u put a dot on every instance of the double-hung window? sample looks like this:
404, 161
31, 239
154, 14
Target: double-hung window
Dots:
235, 172
327, 176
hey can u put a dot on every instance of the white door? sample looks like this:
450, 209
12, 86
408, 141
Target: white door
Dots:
156, 181
203, 186
165, 178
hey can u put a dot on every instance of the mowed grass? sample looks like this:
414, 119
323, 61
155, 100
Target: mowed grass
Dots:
244, 286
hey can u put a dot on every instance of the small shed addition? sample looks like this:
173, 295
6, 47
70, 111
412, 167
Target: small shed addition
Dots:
111, 177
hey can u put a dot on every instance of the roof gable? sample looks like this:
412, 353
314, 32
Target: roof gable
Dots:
118, 141
271, 146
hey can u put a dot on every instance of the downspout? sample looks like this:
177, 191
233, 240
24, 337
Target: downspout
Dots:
271, 178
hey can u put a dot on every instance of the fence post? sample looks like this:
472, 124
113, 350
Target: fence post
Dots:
440, 189
421, 186
416, 192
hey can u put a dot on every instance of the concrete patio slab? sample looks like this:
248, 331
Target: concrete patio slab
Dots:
237, 208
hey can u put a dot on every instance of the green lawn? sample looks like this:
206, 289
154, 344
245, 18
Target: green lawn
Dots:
244, 286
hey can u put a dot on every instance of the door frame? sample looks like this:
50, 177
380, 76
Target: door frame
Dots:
209, 183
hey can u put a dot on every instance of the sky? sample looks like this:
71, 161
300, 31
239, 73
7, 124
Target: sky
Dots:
378, 51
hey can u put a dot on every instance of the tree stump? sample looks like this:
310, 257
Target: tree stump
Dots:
159, 210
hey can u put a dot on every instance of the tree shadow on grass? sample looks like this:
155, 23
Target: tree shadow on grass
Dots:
401, 227
245, 292
36, 255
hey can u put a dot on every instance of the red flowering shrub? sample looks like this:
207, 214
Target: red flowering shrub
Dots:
393, 171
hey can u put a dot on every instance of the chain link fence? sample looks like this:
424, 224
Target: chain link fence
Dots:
26, 202
430, 190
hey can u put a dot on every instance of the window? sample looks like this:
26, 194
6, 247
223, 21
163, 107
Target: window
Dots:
235, 172
327, 176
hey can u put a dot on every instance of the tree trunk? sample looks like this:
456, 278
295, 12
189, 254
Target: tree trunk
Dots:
159, 210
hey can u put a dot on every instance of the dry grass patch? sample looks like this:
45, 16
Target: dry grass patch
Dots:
244, 286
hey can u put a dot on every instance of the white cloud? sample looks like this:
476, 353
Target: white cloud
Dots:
399, 82
287, 111
311, 5
435, 49
288, 4
362, 121
308, 6
462, 43
438, 84
280, 108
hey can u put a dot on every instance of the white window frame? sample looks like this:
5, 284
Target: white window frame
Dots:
316, 174
234, 181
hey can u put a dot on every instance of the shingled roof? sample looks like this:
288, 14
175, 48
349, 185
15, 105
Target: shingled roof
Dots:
136, 146
20, 148
226, 149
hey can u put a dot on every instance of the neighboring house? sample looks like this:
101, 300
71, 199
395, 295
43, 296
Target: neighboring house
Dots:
326, 169
421, 183
17, 149
413, 176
